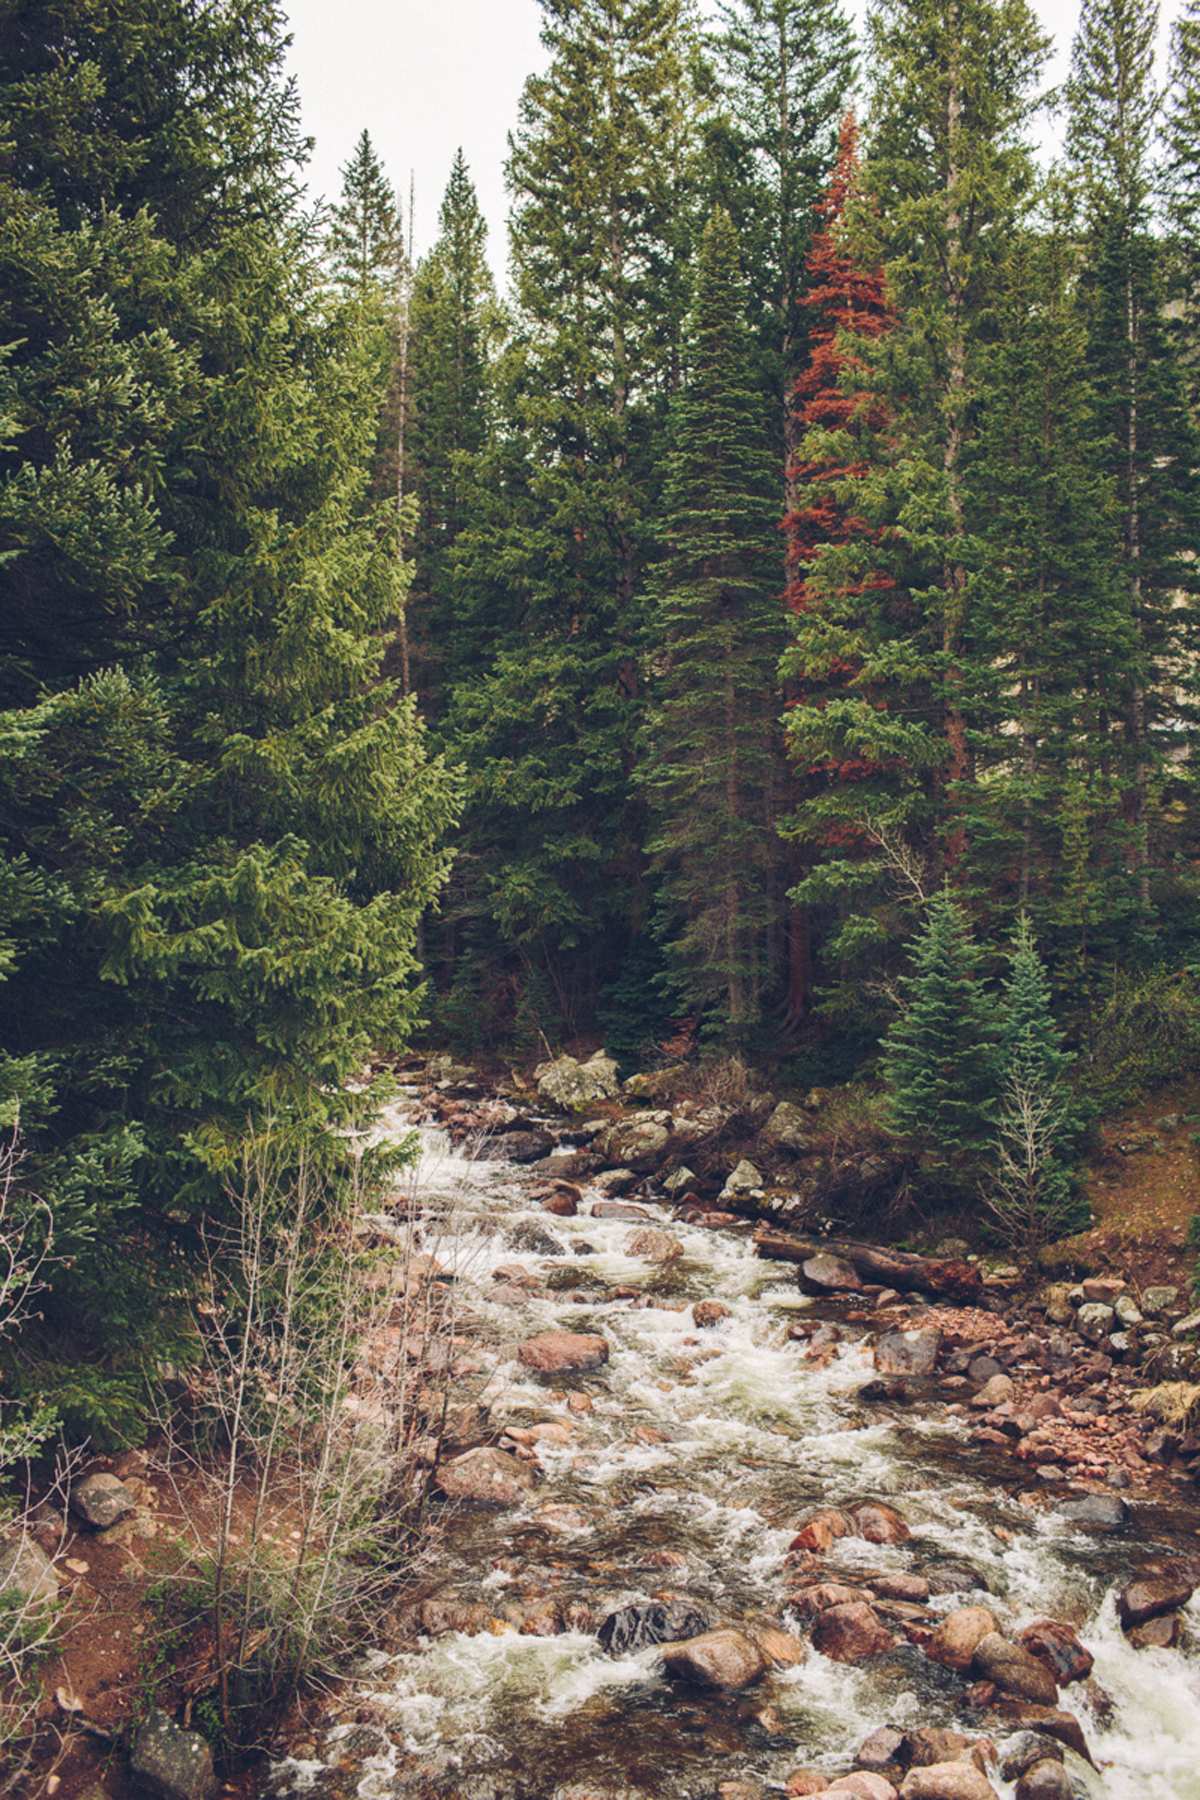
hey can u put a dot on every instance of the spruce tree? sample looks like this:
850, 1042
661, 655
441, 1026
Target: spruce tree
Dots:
939, 1059
709, 760
1153, 454
365, 238
218, 827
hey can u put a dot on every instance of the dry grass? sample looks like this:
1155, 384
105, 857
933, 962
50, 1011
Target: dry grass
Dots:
1175, 1404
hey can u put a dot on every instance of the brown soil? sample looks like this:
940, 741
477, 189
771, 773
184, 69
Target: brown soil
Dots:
1144, 1188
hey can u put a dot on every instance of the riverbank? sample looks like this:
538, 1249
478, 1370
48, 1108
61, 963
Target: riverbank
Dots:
764, 1380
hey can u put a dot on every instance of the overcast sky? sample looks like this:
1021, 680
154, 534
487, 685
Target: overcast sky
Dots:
426, 76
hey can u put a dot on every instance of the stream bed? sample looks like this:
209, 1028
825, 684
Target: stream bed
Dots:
681, 1470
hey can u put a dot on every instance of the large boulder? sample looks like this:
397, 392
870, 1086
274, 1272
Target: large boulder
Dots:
908, 1352
637, 1144
959, 1635
568, 1083
1013, 1669
653, 1622
745, 1179
824, 1274
487, 1477
789, 1127
101, 1500
717, 1659
563, 1352
655, 1245
1104, 1511
850, 1634
1145, 1599
172, 1764
1057, 1647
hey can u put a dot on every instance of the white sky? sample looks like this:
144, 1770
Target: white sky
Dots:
426, 76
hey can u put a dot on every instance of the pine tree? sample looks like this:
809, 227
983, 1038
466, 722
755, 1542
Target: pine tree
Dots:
1181, 181
365, 238
939, 1059
950, 171
454, 320
709, 761
1153, 456
785, 68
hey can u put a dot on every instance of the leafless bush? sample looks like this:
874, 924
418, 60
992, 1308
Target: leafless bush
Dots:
1028, 1196
315, 1425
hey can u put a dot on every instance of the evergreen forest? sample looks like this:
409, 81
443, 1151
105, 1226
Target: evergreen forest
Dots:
797, 561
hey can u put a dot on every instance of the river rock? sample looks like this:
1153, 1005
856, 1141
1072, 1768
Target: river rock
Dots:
998, 1390
947, 1781
655, 1245
654, 1622
1045, 1780
1102, 1510
636, 1144
779, 1647
1058, 1649
875, 1522
1024, 1748
881, 1749
170, 1763
531, 1235
717, 1659
959, 1635
1058, 1724
441, 1614
908, 1352
1013, 1669
930, 1745
898, 1586
863, 1784
829, 1274
101, 1500
488, 1477
516, 1146
745, 1179
622, 1210
27, 1570
1162, 1633
820, 1529
1158, 1300
707, 1313
1094, 1321
568, 1083
946, 1578
850, 1634
564, 1202
1146, 1599
810, 1601
563, 1352
789, 1127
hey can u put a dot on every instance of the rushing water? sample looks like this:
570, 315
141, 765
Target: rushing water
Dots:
701, 1453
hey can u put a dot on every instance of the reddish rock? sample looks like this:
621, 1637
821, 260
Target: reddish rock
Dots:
825, 1273
899, 1587
997, 1391
959, 1635
1162, 1633
862, 1784
803, 1782
1062, 1726
812, 1600
1057, 1647
908, 1352
779, 1647
563, 1202
707, 1313
1146, 1599
717, 1659
488, 1477
850, 1634
881, 1749
1014, 1670
619, 1209
1102, 1289
947, 1781
560, 1352
877, 1523
820, 1529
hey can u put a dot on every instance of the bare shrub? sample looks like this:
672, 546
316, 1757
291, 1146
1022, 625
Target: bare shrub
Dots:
1029, 1195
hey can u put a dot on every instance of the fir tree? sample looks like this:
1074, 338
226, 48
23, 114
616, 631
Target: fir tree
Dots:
365, 239
709, 761
939, 1059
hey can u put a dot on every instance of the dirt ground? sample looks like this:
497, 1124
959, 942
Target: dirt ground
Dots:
123, 1649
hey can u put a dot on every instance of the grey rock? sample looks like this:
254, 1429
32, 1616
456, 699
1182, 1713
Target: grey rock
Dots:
655, 1245
530, 1234
1019, 1752
1157, 1300
908, 1352
657, 1622
825, 1272
1103, 1510
636, 1144
25, 1568
101, 1500
1126, 1311
569, 1083
745, 1179
1046, 1780
487, 1477
1094, 1320
170, 1763
1185, 1327
788, 1126
680, 1181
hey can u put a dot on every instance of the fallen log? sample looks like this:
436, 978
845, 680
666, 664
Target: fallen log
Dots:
898, 1269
